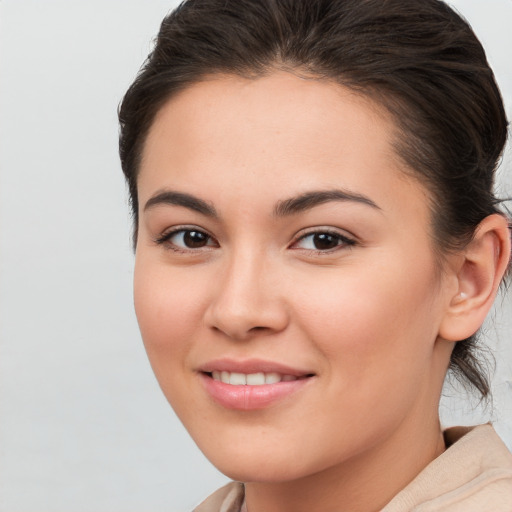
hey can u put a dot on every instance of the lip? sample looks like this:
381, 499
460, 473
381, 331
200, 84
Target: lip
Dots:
252, 366
247, 397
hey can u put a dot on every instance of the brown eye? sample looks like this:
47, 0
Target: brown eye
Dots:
187, 239
323, 241
195, 239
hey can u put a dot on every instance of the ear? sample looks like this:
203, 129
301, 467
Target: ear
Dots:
479, 272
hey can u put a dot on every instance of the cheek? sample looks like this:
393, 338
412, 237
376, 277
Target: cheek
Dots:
376, 324
168, 308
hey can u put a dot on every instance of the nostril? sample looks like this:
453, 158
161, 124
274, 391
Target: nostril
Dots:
241, 320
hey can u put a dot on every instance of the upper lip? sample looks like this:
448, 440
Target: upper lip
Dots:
249, 366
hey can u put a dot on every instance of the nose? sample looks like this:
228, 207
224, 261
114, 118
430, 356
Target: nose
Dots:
247, 299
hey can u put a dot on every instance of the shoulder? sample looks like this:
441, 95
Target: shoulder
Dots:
226, 499
473, 474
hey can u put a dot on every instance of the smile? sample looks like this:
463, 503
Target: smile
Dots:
251, 379
252, 385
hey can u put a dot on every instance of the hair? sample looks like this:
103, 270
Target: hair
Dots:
419, 59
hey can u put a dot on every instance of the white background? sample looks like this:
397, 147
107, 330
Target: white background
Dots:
83, 425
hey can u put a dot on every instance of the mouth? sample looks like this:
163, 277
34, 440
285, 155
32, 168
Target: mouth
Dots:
252, 379
251, 385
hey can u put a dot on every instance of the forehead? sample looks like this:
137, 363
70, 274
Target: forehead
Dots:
275, 135
276, 111
275, 100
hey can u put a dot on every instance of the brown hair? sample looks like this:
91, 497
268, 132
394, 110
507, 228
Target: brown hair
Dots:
418, 58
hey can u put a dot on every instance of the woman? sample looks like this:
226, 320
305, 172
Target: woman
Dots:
317, 242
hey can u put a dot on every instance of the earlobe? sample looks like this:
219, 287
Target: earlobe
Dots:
482, 266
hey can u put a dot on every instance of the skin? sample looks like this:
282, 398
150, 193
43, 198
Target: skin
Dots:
367, 318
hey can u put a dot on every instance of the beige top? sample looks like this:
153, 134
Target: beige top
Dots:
473, 475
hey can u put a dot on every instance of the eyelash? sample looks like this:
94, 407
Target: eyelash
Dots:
165, 239
343, 241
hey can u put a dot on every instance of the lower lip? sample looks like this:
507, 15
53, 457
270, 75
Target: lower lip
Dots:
249, 398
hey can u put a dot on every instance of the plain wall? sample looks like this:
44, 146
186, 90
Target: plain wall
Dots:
83, 425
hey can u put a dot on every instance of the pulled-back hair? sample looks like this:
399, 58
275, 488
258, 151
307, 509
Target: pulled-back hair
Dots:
419, 59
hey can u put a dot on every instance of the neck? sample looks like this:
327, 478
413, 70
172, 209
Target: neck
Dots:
365, 483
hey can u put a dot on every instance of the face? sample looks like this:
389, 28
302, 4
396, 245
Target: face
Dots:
285, 282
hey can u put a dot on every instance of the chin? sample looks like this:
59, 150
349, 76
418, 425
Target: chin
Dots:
248, 465
263, 472
265, 464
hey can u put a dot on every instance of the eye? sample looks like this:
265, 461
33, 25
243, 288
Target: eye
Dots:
186, 239
322, 241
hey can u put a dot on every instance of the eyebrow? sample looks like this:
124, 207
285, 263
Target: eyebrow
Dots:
309, 200
170, 197
290, 206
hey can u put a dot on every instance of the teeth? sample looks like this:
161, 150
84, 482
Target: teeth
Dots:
238, 379
272, 378
256, 379
251, 379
